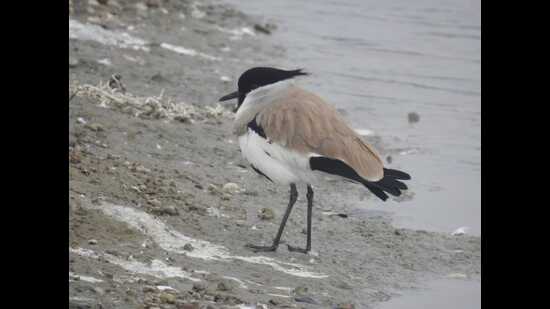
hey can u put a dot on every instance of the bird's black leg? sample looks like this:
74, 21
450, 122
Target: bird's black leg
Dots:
273, 247
309, 214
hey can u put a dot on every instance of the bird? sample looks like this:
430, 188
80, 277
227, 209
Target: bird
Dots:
292, 136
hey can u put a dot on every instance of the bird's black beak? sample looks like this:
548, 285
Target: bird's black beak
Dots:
230, 96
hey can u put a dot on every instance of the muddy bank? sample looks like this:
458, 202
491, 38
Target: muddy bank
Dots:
153, 221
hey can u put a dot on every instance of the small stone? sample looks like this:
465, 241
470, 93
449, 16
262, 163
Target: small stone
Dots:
99, 291
397, 232
92, 242
140, 169
167, 298
413, 117
305, 299
166, 211
182, 119
188, 306
266, 214
96, 127
188, 247
261, 29
389, 159
226, 197
104, 2
300, 291
222, 286
231, 188
199, 286
170, 210
159, 78
213, 189
73, 62
265, 29
345, 306
343, 285
149, 289
154, 202
152, 3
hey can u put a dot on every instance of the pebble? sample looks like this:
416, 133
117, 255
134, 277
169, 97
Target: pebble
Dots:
92, 242
300, 291
199, 286
166, 210
188, 247
266, 214
223, 286
73, 62
149, 289
343, 285
152, 3
413, 117
154, 202
306, 299
140, 168
188, 306
345, 306
96, 127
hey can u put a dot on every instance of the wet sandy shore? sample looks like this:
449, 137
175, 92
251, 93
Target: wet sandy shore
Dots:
153, 221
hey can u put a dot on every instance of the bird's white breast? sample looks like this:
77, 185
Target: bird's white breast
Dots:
280, 164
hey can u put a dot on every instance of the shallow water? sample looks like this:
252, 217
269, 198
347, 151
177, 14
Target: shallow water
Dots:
380, 60
445, 293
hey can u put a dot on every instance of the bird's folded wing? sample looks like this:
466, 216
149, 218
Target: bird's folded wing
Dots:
304, 123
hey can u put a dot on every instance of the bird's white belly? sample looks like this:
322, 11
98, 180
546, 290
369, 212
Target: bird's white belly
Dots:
281, 165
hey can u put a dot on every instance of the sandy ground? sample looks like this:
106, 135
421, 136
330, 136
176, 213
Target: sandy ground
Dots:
153, 220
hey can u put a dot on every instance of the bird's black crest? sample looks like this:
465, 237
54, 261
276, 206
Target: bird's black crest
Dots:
262, 76
389, 184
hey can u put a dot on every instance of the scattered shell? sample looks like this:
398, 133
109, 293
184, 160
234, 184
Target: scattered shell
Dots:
167, 298
231, 188
460, 231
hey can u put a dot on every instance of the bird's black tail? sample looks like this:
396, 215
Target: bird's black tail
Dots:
389, 184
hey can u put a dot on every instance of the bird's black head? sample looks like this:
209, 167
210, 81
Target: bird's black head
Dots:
257, 77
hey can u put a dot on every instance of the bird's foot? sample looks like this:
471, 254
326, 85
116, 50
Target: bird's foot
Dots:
255, 248
297, 249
